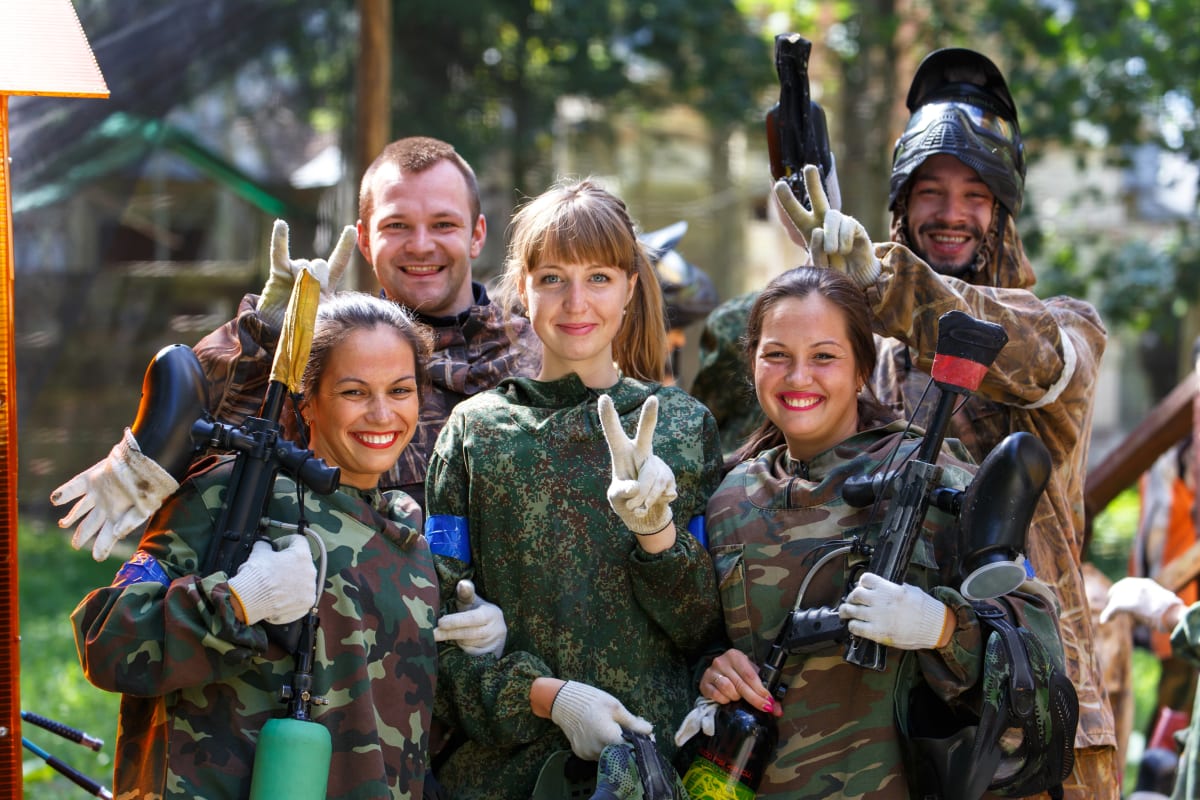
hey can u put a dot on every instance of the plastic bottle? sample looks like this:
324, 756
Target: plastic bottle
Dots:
732, 761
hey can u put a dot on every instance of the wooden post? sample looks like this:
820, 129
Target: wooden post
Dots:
373, 118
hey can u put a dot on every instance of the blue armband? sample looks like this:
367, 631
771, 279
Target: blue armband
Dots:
142, 568
696, 529
1029, 573
448, 536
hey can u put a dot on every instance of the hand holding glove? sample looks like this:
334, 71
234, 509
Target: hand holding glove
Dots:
643, 486
272, 305
116, 495
278, 586
896, 615
592, 719
478, 627
842, 244
1146, 600
701, 719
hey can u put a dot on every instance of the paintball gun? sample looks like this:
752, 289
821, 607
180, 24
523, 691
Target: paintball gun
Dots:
796, 129
994, 511
262, 452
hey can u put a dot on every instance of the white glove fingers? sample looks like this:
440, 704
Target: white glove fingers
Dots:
280, 258
816, 192
105, 539
71, 489
78, 511
339, 259
88, 528
465, 594
800, 217
818, 252
620, 447
643, 444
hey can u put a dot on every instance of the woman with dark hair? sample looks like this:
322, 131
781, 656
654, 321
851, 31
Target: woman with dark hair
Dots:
780, 510
188, 648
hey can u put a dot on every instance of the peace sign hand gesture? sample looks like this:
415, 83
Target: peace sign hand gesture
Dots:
643, 486
803, 221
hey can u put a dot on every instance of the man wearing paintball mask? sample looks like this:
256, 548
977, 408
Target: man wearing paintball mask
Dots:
957, 184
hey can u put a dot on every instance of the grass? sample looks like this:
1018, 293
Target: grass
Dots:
53, 578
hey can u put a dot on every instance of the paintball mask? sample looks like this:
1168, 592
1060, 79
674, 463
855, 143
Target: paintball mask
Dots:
961, 106
688, 292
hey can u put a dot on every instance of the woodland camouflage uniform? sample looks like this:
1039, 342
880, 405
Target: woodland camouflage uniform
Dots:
198, 684
769, 521
471, 352
526, 467
1044, 382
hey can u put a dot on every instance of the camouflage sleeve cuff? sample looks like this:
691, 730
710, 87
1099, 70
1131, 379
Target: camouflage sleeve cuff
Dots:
961, 658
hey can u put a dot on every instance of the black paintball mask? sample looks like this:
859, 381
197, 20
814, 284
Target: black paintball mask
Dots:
961, 106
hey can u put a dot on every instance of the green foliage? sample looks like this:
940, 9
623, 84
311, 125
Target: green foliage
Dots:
53, 578
1112, 534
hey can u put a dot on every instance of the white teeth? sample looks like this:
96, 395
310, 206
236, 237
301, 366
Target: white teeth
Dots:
800, 404
378, 438
421, 269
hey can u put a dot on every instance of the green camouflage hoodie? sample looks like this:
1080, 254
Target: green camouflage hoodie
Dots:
521, 474
198, 684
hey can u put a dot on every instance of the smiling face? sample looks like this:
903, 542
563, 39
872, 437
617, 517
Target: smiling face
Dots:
949, 213
805, 374
576, 311
421, 238
365, 407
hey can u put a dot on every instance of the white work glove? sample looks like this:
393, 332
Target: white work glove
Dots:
272, 305
702, 718
1145, 599
842, 244
802, 220
894, 615
279, 586
592, 719
116, 495
643, 486
478, 627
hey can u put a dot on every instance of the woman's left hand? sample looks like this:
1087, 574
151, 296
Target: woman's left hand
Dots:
896, 615
643, 486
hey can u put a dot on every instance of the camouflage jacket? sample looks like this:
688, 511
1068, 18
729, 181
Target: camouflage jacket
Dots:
769, 521
1185, 643
723, 380
472, 352
1043, 382
523, 471
198, 684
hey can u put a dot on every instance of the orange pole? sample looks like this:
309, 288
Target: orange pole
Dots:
10, 661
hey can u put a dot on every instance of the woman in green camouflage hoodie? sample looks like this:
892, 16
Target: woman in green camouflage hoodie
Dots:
199, 675
607, 604
809, 340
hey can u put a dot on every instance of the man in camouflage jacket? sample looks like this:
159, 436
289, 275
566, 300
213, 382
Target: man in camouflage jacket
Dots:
957, 183
198, 683
418, 208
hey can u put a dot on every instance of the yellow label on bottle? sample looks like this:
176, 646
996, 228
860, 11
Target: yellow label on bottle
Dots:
706, 781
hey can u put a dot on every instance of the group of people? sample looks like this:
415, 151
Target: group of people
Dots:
591, 566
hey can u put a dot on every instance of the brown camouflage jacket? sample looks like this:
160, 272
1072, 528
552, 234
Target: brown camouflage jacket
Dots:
769, 523
1043, 382
472, 352
198, 684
